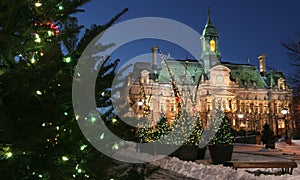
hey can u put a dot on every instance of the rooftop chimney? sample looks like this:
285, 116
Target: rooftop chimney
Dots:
154, 57
262, 64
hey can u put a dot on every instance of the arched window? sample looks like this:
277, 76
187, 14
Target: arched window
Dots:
212, 44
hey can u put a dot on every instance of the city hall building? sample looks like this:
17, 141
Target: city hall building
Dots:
249, 96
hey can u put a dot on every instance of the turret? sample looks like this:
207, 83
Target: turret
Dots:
210, 55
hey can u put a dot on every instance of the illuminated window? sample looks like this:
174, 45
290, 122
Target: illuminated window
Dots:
212, 45
281, 124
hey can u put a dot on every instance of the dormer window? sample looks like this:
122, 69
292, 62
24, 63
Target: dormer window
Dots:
145, 77
212, 44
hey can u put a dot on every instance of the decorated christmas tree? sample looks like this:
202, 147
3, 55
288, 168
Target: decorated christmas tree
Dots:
28, 28
40, 138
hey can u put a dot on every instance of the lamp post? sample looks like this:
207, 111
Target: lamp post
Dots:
140, 103
276, 124
287, 137
240, 116
140, 107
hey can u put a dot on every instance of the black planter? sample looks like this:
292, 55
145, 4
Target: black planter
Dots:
165, 149
271, 145
147, 148
201, 152
188, 152
220, 153
176, 153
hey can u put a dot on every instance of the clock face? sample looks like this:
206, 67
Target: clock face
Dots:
220, 79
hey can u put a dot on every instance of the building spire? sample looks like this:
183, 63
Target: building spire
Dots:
208, 15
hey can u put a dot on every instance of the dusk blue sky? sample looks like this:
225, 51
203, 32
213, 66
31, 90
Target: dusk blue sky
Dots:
246, 29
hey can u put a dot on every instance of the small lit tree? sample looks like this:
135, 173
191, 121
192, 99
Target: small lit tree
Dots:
197, 134
162, 128
224, 134
145, 132
221, 148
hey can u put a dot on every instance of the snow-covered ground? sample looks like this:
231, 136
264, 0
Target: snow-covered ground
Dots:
209, 171
243, 152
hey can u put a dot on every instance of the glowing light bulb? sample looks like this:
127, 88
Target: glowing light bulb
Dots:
60, 7
37, 38
32, 60
65, 158
114, 120
38, 92
83, 147
50, 33
67, 59
38, 4
8, 155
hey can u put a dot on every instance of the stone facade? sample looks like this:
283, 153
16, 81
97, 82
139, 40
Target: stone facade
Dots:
250, 96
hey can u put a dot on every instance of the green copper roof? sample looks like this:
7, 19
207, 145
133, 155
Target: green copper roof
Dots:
193, 73
272, 77
247, 75
209, 29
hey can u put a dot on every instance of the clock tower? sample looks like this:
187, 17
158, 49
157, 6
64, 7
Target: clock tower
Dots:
210, 55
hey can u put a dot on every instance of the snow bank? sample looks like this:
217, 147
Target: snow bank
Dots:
201, 171
209, 171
